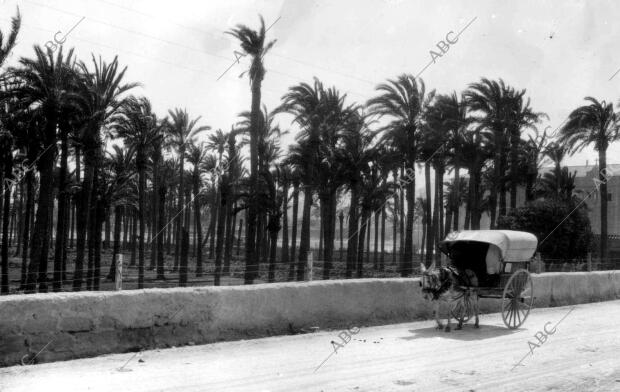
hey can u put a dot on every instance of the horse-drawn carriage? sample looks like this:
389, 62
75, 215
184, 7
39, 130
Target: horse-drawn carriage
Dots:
492, 264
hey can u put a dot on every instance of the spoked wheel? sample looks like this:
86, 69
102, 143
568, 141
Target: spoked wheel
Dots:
462, 307
517, 299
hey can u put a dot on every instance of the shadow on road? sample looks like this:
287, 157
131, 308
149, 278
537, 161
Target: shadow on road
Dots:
467, 333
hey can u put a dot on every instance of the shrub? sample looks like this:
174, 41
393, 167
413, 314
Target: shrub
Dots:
562, 227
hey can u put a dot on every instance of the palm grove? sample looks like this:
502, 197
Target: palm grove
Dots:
65, 187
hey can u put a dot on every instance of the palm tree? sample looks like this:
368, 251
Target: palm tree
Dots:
597, 124
216, 142
136, 124
556, 152
182, 132
6, 47
353, 157
476, 151
101, 93
253, 43
6, 163
490, 101
451, 114
196, 155
121, 169
521, 117
403, 102
44, 86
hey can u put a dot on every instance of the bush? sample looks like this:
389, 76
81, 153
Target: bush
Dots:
571, 234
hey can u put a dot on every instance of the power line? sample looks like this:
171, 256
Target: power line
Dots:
169, 42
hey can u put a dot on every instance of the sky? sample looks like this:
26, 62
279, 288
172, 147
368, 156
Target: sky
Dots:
559, 51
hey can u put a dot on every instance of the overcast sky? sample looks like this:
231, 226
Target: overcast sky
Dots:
560, 51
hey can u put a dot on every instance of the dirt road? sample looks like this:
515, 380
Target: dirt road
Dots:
582, 354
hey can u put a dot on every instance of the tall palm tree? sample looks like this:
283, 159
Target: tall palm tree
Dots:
253, 43
6, 165
216, 142
403, 102
451, 114
43, 86
183, 131
556, 152
593, 124
101, 91
353, 157
520, 118
121, 170
490, 101
136, 124
476, 151
196, 156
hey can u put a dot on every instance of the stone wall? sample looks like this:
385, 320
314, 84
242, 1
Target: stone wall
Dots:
75, 325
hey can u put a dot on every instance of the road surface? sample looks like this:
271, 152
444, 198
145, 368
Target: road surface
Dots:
583, 354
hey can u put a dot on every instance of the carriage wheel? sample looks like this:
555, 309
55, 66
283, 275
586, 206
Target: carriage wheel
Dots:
462, 307
517, 299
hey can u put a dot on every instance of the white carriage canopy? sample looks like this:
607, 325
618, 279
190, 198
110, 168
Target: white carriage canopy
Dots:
493, 245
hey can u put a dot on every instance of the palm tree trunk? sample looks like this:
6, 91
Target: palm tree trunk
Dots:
141, 220
184, 240
8, 168
352, 241
251, 261
83, 216
134, 236
99, 220
221, 226
436, 225
155, 213
198, 228
322, 213
230, 234
502, 178
60, 217
285, 250
476, 213
429, 204
395, 220
402, 216
294, 231
73, 208
341, 222
37, 271
118, 213
360, 257
92, 225
215, 211
180, 217
20, 215
514, 168
376, 243
457, 196
304, 243
602, 158
27, 218
239, 236
328, 230
383, 220
161, 223
273, 228
395, 230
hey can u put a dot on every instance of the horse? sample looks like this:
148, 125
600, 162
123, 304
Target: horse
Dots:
444, 284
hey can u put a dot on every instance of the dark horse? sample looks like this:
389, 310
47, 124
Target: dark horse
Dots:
445, 284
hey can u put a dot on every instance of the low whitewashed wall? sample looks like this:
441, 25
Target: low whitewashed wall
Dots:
87, 324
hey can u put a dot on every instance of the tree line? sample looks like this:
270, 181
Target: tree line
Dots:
164, 176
